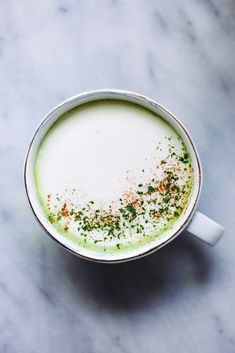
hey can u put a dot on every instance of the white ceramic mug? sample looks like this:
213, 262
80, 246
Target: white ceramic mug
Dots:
197, 224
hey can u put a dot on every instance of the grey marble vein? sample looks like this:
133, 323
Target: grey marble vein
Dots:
182, 55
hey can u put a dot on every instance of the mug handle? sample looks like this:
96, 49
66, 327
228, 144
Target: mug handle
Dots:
205, 229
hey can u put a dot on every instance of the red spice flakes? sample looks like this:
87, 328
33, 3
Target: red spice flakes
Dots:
64, 211
66, 227
157, 214
129, 197
48, 199
111, 219
162, 186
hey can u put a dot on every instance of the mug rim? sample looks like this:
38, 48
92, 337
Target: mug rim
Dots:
137, 96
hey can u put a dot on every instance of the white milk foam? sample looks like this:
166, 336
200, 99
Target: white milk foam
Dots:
100, 150
94, 146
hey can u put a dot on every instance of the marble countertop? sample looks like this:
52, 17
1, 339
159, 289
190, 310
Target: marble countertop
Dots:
181, 54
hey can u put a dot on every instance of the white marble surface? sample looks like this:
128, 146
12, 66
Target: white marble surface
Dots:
180, 53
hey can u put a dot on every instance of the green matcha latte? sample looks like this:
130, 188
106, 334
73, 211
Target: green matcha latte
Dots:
112, 176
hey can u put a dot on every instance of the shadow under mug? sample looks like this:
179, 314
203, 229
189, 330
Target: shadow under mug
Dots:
197, 223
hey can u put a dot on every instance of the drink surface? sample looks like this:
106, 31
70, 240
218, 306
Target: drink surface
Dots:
112, 176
